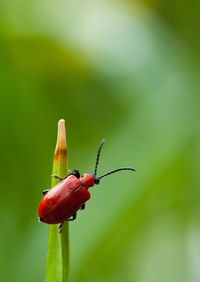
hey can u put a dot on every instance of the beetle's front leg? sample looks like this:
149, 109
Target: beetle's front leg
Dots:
75, 172
73, 217
57, 176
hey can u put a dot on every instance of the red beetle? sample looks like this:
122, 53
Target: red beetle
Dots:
61, 202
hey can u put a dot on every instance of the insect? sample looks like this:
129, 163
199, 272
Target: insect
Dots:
61, 202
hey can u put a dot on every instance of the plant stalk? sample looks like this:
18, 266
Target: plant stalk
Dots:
57, 265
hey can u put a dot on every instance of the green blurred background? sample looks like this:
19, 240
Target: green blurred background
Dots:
126, 71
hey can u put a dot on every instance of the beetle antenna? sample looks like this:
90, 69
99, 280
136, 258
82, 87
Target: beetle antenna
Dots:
98, 155
116, 170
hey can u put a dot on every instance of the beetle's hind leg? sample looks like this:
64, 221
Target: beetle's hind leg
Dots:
73, 217
45, 191
82, 207
70, 219
60, 227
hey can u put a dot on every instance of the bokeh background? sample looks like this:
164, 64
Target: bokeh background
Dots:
127, 71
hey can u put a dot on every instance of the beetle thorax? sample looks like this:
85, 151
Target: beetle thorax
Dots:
88, 180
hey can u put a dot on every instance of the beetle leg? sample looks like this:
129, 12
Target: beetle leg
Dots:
70, 219
73, 217
60, 227
57, 176
74, 172
45, 191
82, 207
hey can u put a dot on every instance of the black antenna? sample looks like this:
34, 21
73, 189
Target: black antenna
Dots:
98, 155
116, 170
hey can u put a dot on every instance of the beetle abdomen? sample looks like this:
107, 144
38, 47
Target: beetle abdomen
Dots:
66, 208
62, 201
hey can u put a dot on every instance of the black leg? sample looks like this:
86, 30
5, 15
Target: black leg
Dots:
45, 191
74, 172
82, 207
60, 227
57, 176
73, 217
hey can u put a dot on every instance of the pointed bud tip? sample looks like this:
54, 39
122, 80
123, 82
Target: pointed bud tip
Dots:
61, 121
61, 145
61, 138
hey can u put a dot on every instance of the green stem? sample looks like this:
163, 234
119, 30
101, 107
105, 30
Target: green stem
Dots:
57, 269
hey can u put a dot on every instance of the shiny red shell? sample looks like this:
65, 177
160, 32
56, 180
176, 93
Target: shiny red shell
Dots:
65, 198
